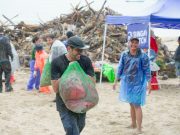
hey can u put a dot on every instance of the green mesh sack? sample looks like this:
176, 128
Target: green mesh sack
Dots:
77, 90
46, 75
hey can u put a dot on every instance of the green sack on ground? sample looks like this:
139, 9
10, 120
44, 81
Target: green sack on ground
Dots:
77, 90
46, 75
108, 71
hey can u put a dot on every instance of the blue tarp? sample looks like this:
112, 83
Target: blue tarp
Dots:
167, 15
125, 20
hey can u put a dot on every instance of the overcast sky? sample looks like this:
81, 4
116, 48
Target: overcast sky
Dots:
31, 11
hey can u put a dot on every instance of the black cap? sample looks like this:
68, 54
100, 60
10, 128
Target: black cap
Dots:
134, 38
76, 42
69, 34
39, 47
179, 38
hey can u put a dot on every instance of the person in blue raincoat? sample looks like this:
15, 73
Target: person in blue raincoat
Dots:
134, 73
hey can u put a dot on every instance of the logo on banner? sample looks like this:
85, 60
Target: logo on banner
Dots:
139, 31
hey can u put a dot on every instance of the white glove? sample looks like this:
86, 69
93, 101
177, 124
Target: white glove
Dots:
35, 73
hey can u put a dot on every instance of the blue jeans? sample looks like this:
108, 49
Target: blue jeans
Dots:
177, 65
73, 123
33, 80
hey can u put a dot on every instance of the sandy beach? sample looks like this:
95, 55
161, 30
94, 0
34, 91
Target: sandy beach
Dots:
32, 113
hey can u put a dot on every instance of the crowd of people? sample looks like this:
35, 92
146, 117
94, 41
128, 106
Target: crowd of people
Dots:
134, 63
38, 60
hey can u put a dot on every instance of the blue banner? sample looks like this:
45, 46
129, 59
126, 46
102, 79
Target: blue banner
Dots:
140, 31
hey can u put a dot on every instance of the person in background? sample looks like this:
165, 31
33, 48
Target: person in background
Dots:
152, 57
154, 68
153, 43
40, 57
134, 74
68, 35
5, 65
34, 80
14, 64
57, 48
177, 60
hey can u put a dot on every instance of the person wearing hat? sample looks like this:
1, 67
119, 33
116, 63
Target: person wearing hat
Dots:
68, 35
134, 73
5, 66
177, 60
40, 57
73, 122
34, 80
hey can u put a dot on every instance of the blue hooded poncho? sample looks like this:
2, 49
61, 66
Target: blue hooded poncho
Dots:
134, 72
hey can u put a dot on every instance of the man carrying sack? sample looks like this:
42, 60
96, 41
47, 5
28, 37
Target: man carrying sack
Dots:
73, 122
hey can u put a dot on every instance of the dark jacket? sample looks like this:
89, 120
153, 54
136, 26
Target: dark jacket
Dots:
177, 54
5, 49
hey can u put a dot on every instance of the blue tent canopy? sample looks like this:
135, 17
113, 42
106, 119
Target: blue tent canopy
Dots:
125, 20
168, 16
165, 16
